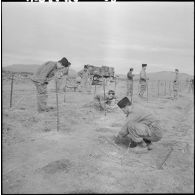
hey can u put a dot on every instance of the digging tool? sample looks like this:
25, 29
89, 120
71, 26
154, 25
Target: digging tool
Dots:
167, 156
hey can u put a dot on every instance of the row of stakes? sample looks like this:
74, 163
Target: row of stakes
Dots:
104, 86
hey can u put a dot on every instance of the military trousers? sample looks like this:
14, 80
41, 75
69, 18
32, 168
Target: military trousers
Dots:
129, 87
41, 96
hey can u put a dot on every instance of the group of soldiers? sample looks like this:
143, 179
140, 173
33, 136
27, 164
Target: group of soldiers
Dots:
142, 127
143, 82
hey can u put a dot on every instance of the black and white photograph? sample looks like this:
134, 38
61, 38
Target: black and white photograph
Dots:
97, 97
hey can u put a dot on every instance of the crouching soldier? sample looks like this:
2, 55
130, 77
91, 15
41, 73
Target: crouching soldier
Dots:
141, 127
43, 75
109, 104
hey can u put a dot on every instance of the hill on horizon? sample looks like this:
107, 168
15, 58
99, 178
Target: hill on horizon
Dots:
31, 68
161, 75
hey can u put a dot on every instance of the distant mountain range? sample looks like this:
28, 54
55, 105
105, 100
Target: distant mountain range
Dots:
163, 75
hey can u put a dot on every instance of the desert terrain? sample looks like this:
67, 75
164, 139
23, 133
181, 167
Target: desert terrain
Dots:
82, 156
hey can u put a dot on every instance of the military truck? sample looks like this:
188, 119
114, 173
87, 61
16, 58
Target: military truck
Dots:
98, 73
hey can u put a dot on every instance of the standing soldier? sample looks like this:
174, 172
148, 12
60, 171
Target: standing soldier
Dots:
85, 78
176, 84
43, 75
130, 82
143, 80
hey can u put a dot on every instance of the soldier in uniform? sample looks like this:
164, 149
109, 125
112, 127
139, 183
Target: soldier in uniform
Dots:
142, 127
85, 79
143, 80
110, 102
43, 75
130, 82
176, 84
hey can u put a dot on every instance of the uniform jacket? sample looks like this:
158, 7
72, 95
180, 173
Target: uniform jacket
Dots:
45, 72
130, 75
84, 74
143, 75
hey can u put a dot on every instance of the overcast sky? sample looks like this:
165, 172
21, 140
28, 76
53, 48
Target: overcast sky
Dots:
121, 34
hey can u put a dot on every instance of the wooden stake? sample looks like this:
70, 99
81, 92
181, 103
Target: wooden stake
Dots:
165, 87
147, 89
104, 97
158, 88
64, 93
11, 93
115, 85
57, 107
95, 89
132, 93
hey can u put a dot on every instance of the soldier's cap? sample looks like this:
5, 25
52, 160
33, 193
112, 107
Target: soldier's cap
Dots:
85, 66
124, 102
131, 69
176, 70
111, 92
144, 65
64, 62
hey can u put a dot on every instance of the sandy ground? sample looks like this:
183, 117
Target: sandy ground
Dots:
82, 156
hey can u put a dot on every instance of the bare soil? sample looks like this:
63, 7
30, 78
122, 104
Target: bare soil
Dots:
82, 157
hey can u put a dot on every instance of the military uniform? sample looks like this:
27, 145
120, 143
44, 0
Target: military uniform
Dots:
110, 104
176, 86
129, 83
142, 126
41, 78
85, 80
142, 82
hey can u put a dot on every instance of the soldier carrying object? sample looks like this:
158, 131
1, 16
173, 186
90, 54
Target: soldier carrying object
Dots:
143, 80
141, 126
130, 82
43, 75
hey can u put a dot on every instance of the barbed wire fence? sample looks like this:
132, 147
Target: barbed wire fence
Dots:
16, 96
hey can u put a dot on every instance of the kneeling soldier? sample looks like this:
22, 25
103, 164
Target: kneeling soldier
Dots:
110, 101
142, 128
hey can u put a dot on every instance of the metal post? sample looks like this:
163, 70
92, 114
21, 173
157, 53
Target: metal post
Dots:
11, 93
158, 88
104, 97
57, 107
165, 87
